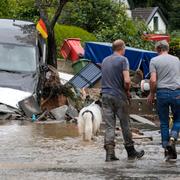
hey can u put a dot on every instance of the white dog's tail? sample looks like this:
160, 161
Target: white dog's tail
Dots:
88, 125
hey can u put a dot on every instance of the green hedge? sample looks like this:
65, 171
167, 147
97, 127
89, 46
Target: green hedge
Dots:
175, 43
175, 47
63, 32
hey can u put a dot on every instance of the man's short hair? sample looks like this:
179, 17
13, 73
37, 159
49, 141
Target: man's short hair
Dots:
118, 45
162, 46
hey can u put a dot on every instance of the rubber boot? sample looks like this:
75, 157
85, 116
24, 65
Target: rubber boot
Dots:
166, 153
110, 153
133, 154
171, 147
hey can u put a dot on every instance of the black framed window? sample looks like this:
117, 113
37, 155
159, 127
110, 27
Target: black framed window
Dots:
156, 24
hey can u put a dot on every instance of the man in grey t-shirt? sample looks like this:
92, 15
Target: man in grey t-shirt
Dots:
115, 92
165, 78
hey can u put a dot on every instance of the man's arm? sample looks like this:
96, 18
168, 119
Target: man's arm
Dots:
127, 83
126, 76
127, 80
153, 82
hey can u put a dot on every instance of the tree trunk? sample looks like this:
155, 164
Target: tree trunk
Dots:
51, 49
50, 24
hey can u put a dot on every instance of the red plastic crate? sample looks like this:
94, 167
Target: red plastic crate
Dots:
72, 49
65, 50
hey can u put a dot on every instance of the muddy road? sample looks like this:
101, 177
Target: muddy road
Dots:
50, 151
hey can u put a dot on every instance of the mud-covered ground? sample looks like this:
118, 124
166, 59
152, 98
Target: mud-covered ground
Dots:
50, 151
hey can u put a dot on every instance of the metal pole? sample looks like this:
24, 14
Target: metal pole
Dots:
44, 53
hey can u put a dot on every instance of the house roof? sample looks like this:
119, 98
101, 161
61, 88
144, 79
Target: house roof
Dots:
147, 14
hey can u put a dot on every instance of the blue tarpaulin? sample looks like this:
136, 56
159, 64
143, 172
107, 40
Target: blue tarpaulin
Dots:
138, 58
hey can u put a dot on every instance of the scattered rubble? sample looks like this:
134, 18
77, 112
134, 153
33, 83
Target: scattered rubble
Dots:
141, 119
61, 100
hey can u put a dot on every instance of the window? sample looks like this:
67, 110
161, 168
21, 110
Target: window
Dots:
17, 58
156, 25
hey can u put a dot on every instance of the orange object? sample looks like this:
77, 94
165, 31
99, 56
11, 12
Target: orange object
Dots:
72, 49
156, 37
41, 27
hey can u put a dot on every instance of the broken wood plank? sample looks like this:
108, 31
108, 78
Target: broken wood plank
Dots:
138, 136
141, 107
144, 137
141, 119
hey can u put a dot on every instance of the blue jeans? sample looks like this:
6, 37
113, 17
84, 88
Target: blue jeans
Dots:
167, 99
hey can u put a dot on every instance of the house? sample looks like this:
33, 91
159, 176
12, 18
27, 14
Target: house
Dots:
152, 16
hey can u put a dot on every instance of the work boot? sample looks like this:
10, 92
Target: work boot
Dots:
171, 147
110, 153
133, 154
165, 153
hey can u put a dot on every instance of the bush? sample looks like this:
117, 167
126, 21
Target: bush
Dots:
63, 32
91, 14
128, 30
175, 44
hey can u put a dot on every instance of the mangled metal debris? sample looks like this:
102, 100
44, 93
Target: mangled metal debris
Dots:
6, 109
30, 106
59, 113
27, 105
11, 97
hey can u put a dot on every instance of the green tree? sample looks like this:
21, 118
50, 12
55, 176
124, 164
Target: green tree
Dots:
130, 31
107, 20
4, 9
174, 16
91, 14
19, 9
175, 43
26, 10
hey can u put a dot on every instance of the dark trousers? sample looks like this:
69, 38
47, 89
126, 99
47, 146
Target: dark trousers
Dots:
167, 99
113, 106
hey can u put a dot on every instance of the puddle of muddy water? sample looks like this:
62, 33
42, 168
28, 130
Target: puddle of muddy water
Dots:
43, 130
54, 151
56, 131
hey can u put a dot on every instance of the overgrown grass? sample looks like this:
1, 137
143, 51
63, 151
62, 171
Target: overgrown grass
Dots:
63, 32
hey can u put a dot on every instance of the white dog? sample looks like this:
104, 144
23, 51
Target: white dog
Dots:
89, 121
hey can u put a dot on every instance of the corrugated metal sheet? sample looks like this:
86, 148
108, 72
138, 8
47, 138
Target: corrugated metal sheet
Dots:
88, 76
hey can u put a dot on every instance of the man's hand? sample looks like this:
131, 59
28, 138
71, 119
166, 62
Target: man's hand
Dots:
128, 96
150, 98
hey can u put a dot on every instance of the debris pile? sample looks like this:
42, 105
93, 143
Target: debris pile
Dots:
62, 95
